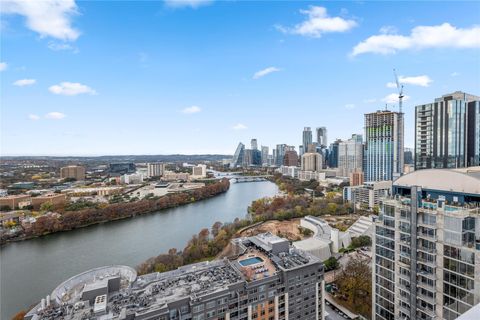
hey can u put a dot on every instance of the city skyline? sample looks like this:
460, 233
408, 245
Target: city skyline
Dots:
80, 90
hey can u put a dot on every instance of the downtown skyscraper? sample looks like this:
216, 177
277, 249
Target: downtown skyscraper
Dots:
322, 136
447, 132
306, 138
384, 139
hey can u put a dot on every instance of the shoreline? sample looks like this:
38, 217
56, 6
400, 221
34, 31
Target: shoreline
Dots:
224, 184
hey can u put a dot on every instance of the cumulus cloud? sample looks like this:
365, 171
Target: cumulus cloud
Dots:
318, 22
421, 37
55, 115
71, 89
239, 126
393, 98
264, 72
3, 66
49, 18
187, 3
24, 82
191, 110
33, 117
422, 81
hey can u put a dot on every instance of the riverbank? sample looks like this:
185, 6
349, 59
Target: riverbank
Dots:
62, 255
70, 220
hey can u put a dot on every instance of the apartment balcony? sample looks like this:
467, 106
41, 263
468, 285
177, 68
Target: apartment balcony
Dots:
426, 274
426, 298
405, 310
404, 276
426, 286
428, 250
426, 262
430, 313
425, 235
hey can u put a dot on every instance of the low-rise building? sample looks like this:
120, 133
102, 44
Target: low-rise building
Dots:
199, 171
289, 171
15, 201
100, 191
56, 199
155, 169
174, 176
367, 195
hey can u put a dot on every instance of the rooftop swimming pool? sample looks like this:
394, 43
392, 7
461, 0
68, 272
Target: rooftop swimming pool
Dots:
250, 261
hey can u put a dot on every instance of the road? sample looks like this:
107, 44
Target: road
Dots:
332, 314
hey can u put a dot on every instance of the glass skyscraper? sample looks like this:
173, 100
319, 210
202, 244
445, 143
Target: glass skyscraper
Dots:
447, 132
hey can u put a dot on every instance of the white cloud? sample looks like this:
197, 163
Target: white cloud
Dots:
3, 66
454, 74
264, 72
49, 18
350, 106
55, 46
421, 37
55, 115
192, 109
239, 126
393, 98
187, 3
24, 82
422, 81
318, 22
71, 89
33, 117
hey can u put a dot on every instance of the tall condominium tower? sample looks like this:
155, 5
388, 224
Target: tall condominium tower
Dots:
280, 154
383, 151
350, 156
312, 161
254, 144
155, 169
447, 132
264, 155
237, 160
306, 138
333, 154
427, 247
322, 136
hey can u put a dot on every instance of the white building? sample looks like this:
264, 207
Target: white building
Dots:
133, 178
199, 171
155, 169
290, 171
367, 195
350, 156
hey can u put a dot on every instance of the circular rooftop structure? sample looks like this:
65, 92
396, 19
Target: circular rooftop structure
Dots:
71, 289
454, 180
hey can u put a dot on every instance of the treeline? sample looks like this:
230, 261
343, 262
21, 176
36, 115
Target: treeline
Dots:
284, 208
68, 220
207, 245
294, 186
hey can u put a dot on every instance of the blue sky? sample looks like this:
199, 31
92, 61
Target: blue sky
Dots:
153, 77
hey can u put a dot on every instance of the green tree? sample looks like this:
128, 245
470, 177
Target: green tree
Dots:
331, 264
46, 206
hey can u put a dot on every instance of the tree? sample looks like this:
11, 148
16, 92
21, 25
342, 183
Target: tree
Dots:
46, 206
361, 241
355, 286
331, 264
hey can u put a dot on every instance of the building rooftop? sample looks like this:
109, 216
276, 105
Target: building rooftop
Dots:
466, 180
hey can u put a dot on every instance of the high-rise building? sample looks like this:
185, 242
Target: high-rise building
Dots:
332, 160
291, 158
237, 160
300, 150
306, 138
265, 279
155, 169
356, 178
408, 156
73, 172
427, 246
280, 154
447, 132
383, 151
350, 156
264, 155
312, 162
254, 144
322, 136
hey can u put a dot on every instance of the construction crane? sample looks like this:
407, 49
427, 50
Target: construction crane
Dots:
400, 91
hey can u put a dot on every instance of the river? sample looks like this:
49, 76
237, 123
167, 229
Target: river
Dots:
29, 270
